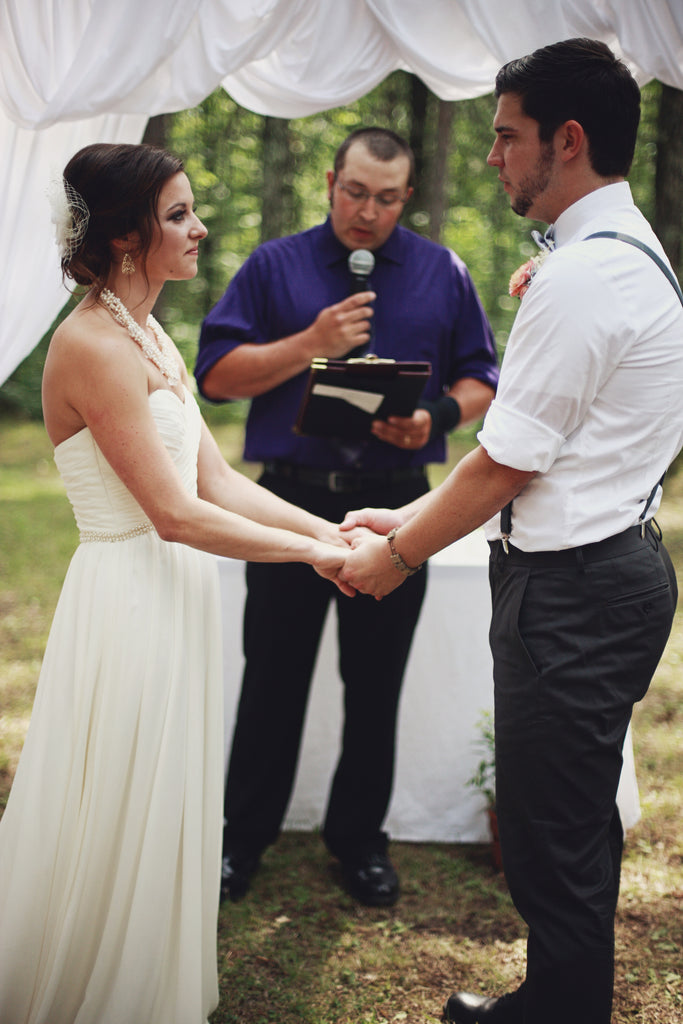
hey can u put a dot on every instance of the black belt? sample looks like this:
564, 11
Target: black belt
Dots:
343, 482
620, 544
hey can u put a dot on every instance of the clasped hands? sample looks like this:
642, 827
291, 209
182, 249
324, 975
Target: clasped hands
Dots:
367, 567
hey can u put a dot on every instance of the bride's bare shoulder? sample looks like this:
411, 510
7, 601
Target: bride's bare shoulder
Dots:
88, 334
89, 363
84, 321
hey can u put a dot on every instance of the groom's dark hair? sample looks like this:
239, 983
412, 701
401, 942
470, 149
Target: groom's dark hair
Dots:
579, 80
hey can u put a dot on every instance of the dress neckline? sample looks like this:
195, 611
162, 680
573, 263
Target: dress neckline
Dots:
156, 391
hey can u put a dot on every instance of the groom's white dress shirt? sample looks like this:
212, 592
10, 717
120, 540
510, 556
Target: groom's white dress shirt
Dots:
599, 334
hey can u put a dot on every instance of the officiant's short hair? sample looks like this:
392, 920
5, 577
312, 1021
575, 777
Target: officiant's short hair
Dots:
382, 143
579, 80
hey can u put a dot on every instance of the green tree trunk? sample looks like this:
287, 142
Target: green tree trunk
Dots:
278, 207
156, 131
668, 220
437, 181
419, 101
430, 134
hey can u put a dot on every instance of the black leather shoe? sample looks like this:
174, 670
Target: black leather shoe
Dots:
236, 875
464, 1008
372, 880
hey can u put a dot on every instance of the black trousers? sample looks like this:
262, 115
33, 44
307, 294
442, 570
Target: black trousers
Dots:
574, 647
284, 616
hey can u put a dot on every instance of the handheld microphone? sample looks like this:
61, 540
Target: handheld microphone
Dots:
361, 263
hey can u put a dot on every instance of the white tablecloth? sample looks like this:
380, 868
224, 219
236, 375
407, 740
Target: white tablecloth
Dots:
448, 684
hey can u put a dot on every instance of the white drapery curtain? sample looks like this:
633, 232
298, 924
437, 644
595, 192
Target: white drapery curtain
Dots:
80, 71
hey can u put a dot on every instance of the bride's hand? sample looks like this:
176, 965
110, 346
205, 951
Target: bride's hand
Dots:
330, 533
328, 562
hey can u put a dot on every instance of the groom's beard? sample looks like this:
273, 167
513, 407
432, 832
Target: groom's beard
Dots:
535, 184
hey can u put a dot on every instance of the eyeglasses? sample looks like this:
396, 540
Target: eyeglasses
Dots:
361, 196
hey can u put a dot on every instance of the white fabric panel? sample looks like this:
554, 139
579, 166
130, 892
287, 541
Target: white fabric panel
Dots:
333, 53
31, 290
440, 45
80, 60
72, 59
649, 36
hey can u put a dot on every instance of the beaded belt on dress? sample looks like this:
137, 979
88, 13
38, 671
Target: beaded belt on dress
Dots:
134, 531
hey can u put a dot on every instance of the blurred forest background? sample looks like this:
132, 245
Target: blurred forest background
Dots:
258, 177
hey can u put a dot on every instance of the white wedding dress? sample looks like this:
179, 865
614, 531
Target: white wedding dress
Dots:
110, 843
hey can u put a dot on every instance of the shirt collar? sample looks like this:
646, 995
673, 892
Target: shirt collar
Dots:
571, 223
333, 251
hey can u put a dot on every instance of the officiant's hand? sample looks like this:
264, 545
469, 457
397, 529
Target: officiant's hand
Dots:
340, 328
409, 432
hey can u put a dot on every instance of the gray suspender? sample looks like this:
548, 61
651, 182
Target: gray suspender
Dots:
506, 513
630, 240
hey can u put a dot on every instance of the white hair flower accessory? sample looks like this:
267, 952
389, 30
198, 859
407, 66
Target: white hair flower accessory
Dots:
70, 216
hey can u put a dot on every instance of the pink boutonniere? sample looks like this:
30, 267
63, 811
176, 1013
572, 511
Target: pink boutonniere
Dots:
524, 275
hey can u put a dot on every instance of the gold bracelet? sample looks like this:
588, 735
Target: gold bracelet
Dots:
396, 559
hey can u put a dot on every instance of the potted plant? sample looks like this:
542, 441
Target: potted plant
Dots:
484, 778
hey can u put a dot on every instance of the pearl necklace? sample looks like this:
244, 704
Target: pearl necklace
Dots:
162, 356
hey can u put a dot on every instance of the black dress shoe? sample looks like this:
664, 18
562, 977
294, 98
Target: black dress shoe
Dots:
236, 874
371, 879
464, 1008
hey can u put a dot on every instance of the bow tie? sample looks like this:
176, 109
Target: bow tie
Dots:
546, 241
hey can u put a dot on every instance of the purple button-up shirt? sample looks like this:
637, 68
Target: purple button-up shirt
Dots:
427, 308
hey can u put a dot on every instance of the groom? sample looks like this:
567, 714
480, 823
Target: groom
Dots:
588, 415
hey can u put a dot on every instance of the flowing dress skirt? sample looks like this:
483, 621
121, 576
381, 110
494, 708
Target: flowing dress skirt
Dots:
110, 843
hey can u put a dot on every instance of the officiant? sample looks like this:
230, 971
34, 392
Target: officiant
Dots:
293, 300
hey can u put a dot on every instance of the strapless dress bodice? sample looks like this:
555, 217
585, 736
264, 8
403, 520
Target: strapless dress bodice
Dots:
101, 502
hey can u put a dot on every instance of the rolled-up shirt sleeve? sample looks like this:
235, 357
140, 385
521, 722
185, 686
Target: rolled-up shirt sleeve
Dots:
236, 318
516, 440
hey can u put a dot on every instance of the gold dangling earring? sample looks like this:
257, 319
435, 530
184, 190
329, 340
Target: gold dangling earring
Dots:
127, 266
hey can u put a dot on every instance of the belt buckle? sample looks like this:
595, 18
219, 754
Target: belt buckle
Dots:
335, 482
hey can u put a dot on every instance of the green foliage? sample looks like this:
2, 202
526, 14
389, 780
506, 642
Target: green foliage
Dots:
20, 394
642, 175
484, 778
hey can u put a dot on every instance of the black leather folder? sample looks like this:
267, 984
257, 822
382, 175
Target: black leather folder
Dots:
344, 396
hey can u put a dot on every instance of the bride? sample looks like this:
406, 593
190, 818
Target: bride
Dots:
110, 843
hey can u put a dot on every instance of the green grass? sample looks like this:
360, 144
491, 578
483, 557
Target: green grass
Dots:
298, 950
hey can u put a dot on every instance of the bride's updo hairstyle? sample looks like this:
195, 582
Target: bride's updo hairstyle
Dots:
112, 190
